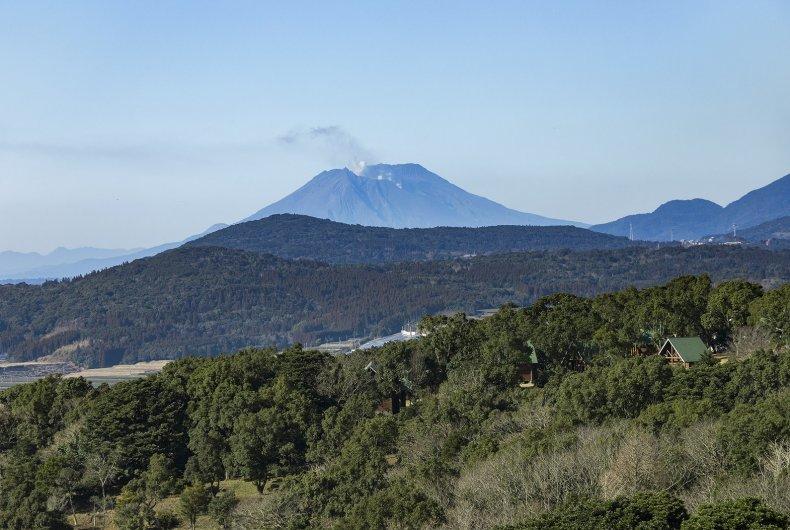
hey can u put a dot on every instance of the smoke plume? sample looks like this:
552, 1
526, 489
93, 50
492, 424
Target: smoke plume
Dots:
333, 143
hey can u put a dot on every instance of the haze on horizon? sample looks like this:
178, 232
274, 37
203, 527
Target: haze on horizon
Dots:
133, 124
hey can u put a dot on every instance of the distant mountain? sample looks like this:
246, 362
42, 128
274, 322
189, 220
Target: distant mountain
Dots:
19, 262
209, 300
298, 236
88, 262
397, 196
696, 218
761, 205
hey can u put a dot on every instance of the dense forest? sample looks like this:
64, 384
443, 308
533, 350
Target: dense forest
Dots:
205, 301
302, 237
604, 440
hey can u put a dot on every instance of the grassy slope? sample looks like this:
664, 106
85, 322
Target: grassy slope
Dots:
245, 492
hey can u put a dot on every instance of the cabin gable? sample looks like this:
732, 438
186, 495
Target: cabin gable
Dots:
683, 350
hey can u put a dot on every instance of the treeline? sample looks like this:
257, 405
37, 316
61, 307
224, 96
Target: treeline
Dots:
629, 442
302, 237
205, 301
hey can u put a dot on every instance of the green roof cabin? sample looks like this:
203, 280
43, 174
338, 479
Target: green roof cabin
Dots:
683, 350
528, 371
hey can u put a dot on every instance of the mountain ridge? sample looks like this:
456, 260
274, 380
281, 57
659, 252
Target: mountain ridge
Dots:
696, 218
294, 236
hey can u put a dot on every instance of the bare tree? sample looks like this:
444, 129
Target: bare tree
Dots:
102, 470
747, 340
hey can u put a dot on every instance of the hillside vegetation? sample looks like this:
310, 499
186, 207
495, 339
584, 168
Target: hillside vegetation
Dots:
205, 301
302, 237
628, 442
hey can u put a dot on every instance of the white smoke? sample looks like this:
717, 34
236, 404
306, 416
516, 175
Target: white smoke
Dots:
332, 143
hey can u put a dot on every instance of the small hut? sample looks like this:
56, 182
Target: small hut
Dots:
528, 371
684, 350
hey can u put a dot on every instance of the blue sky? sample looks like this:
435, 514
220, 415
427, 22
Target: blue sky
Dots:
133, 123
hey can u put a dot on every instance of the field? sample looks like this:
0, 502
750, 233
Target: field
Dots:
26, 372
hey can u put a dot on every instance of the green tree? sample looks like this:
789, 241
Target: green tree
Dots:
220, 392
561, 327
134, 510
61, 474
136, 420
621, 390
221, 507
728, 309
272, 441
159, 479
23, 499
772, 313
194, 500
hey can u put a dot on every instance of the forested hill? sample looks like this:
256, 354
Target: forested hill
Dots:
205, 301
299, 236
298, 439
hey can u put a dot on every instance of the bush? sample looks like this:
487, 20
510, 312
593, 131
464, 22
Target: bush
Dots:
643, 511
221, 507
399, 502
166, 520
740, 514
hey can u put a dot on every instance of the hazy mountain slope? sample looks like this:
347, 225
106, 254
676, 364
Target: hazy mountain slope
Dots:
774, 229
680, 219
774, 234
696, 218
88, 265
298, 236
761, 205
18, 262
398, 196
208, 300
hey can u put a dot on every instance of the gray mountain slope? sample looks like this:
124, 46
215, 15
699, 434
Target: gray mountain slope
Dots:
17, 262
397, 196
85, 266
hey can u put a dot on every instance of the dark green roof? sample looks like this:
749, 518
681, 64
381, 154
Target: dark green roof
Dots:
691, 349
533, 355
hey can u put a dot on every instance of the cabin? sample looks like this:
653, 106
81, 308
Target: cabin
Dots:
528, 371
684, 350
402, 397
646, 344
